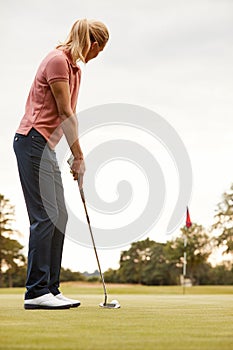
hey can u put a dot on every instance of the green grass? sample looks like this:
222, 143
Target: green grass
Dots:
96, 288
160, 318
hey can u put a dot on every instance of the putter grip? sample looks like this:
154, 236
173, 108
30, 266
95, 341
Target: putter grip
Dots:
70, 162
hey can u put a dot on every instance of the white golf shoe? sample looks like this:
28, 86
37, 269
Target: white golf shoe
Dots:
47, 301
73, 302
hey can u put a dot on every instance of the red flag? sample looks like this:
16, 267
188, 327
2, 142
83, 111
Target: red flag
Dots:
188, 220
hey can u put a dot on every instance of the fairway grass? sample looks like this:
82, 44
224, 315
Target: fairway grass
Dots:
149, 319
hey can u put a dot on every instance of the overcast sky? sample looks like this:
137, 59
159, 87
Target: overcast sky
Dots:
174, 57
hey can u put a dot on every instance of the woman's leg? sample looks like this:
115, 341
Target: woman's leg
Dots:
59, 234
42, 208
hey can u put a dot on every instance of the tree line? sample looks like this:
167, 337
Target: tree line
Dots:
145, 262
150, 263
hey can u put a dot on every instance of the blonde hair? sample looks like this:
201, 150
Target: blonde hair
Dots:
83, 33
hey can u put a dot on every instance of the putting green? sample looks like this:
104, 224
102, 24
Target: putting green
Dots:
149, 320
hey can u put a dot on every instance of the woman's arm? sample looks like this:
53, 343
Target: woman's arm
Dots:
61, 93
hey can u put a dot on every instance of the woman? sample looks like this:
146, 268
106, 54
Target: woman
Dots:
50, 112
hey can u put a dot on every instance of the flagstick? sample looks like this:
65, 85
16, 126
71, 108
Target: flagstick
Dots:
188, 224
184, 263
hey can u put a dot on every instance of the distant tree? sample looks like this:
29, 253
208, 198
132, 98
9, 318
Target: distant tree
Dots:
10, 249
224, 221
198, 250
18, 278
67, 275
161, 269
134, 260
111, 276
145, 262
221, 275
92, 276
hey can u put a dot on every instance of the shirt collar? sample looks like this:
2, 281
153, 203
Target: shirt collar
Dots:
74, 65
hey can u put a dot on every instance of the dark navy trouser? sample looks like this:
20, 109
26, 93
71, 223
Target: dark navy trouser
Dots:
44, 196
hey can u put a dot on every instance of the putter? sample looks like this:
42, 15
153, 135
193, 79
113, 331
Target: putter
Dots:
114, 304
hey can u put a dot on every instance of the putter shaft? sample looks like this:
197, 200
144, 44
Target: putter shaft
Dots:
104, 304
94, 246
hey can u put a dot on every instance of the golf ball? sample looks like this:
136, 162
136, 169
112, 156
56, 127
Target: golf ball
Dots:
115, 301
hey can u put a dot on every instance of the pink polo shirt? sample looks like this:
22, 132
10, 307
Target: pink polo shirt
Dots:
41, 110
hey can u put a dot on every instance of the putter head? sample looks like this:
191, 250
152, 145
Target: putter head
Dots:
113, 305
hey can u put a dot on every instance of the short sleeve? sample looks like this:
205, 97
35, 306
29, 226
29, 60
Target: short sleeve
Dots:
56, 69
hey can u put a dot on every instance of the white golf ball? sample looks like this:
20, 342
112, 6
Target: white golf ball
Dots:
115, 301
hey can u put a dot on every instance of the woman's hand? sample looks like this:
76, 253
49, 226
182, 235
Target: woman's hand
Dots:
78, 169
